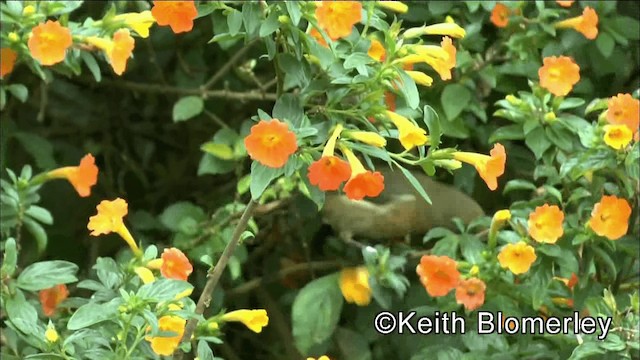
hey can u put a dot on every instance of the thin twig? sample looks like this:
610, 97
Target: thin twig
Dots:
227, 66
215, 273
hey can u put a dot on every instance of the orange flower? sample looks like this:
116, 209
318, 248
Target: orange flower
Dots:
50, 298
7, 61
362, 182
166, 345
390, 100
470, 293
316, 35
624, 110
517, 257
49, 42
271, 143
177, 14
175, 264
438, 274
489, 167
109, 219
565, 3
587, 23
337, 18
443, 67
559, 74
329, 172
500, 15
610, 217
570, 283
354, 285
377, 51
545, 224
123, 45
82, 177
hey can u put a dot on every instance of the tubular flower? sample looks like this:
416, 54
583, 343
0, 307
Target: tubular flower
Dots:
500, 15
138, 22
443, 67
450, 29
50, 298
545, 224
362, 182
109, 219
82, 177
329, 172
586, 24
517, 257
489, 167
410, 135
610, 217
118, 50
500, 218
354, 285
438, 274
325, 357
337, 18
420, 78
565, 3
175, 264
166, 345
179, 15
396, 6
271, 143
144, 274
48, 42
559, 75
470, 293
316, 35
368, 137
624, 110
617, 136
7, 61
377, 51
390, 100
570, 282
255, 320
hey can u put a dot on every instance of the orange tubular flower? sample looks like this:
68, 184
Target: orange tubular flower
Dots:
362, 182
7, 61
166, 345
610, 217
316, 35
50, 298
255, 320
337, 18
587, 23
470, 293
500, 15
438, 274
559, 75
82, 177
123, 45
517, 257
179, 15
49, 42
329, 172
409, 134
175, 265
354, 285
565, 3
377, 51
624, 110
271, 143
443, 67
545, 224
390, 101
570, 283
109, 219
489, 167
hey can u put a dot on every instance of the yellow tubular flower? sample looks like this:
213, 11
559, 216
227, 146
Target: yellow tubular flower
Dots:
138, 22
410, 135
354, 285
369, 138
255, 320
329, 149
617, 136
420, 78
396, 6
109, 219
155, 264
144, 274
451, 29
433, 51
500, 218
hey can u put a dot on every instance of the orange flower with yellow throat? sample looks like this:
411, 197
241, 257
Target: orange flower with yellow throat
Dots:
337, 18
610, 217
500, 15
179, 15
623, 109
586, 24
82, 177
489, 167
271, 143
362, 182
545, 224
438, 274
470, 293
110, 219
559, 74
329, 172
354, 285
48, 42
518, 258
118, 50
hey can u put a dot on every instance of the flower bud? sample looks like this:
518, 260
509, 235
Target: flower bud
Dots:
28, 10
449, 164
283, 19
13, 37
51, 335
511, 99
396, 6
475, 270
550, 117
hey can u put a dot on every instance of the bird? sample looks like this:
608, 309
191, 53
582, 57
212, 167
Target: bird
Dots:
399, 211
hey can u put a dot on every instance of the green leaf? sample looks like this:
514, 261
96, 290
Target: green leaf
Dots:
454, 99
315, 312
352, 345
39, 147
356, 60
187, 107
518, 184
92, 313
416, 184
289, 107
9, 259
270, 25
293, 8
46, 274
586, 350
92, 64
176, 213
163, 290
40, 214
21, 313
570, 103
220, 151
605, 44
537, 141
433, 124
38, 233
19, 91
204, 351
408, 89
509, 132
261, 177
312, 192
234, 21
252, 16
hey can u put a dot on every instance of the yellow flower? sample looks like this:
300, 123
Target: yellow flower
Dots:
517, 257
450, 29
410, 135
368, 137
396, 6
213, 325
420, 78
138, 22
184, 294
354, 284
144, 274
376, 50
255, 320
489, 167
325, 357
474, 271
28, 10
586, 24
118, 50
166, 345
109, 219
617, 136
51, 335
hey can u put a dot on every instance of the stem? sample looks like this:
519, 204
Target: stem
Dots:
227, 66
215, 273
